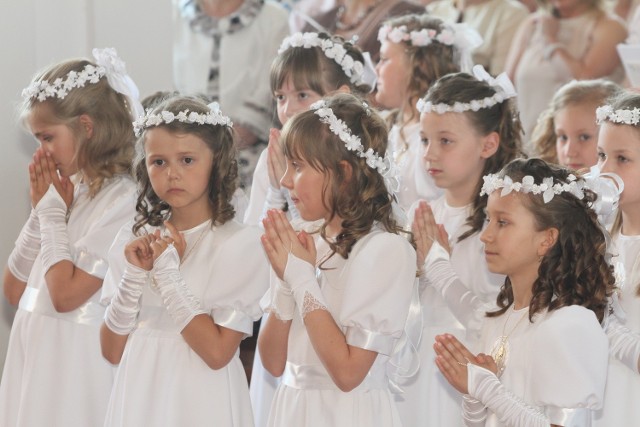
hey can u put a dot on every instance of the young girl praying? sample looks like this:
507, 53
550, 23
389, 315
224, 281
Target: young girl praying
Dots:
81, 190
415, 51
181, 297
543, 352
338, 302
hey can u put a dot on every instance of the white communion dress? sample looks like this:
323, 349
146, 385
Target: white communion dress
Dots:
160, 379
54, 374
368, 295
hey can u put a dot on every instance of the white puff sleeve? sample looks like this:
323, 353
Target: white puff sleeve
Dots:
570, 366
379, 285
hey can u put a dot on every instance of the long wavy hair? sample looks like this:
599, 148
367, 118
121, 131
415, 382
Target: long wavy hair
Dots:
109, 149
574, 271
503, 118
359, 198
223, 180
576, 92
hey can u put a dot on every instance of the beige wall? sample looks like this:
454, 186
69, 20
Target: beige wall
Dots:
34, 33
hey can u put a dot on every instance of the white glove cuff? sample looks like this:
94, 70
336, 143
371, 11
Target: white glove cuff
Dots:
301, 276
474, 413
26, 249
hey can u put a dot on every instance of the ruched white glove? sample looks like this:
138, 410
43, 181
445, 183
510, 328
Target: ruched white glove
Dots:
624, 345
26, 249
180, 303
52, 211
474, 413
122, 313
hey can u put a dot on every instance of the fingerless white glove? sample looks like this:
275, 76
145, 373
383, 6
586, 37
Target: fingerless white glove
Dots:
485, 387
624, 345
474, 413
52, 211
180, 303
122, 313
274, 200
301, 277
282, 303
26, 249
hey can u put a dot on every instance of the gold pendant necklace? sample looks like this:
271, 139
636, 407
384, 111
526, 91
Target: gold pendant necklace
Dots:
205, 227
500, 349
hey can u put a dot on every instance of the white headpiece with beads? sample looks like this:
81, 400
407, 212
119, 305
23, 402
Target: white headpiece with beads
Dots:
502, 85
384, 165
623, 116
108, 65
213, 117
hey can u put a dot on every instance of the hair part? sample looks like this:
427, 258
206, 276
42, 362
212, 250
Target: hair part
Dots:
360, 197
503, 118
576, 92
574, 271
223, 180
108, 150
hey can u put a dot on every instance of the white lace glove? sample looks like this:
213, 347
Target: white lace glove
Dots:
282, 303
464, 304
122, 313
624, 345
26, 249
301, 277
474, 413
511, 410
180, 303
52, 211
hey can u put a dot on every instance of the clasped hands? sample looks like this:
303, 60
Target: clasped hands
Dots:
143, 251
43, 173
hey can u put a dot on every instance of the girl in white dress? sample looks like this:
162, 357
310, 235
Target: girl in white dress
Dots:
339, 303
548, 351
619, 152
415, 51
460, 146
80, 112
305, 70
185, 289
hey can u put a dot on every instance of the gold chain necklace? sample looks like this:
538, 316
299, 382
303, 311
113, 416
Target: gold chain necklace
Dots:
192, 248
500, 350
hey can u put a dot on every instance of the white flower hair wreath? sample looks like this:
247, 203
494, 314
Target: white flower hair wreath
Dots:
503, 86
107, 64
547, 188
213, 117
623, 116
383, 165
332, 50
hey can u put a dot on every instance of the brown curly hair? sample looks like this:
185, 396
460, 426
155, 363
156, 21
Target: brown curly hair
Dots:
311, 68
502, 118
223, 180
574, 271
576, 92
109, 150
359, 199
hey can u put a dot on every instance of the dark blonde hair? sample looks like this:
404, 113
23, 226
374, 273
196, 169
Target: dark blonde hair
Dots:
224, 171
311, 68
574, 271
502, 118
109, 150
358, 197
428, 63
574, 93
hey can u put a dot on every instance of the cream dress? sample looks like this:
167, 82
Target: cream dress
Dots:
160, 379
54, 374
368, 296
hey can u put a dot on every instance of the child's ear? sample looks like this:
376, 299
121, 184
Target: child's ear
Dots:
549, 239
347, 171
86, 124
343, 89
490, 145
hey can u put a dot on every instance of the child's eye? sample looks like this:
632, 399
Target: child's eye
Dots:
584, 137
303, 95
158, 162
445, 141
279, 97
562, 138
425, 141
502, 223
601, 156
188, 160
622, 159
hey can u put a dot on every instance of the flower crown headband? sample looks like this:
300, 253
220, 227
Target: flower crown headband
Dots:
332, 50
625, 117
108, 64
503, 86
213, 117
383, 165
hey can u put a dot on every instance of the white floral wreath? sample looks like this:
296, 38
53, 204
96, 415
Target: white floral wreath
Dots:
384, 165
332, 50
213, 117
108, 64
625, 117
547, 188
424, 37
503, 86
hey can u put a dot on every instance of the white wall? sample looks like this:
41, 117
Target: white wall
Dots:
35, 33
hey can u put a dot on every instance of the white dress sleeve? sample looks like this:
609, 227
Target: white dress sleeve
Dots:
245, 276
570, 366
379, 286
